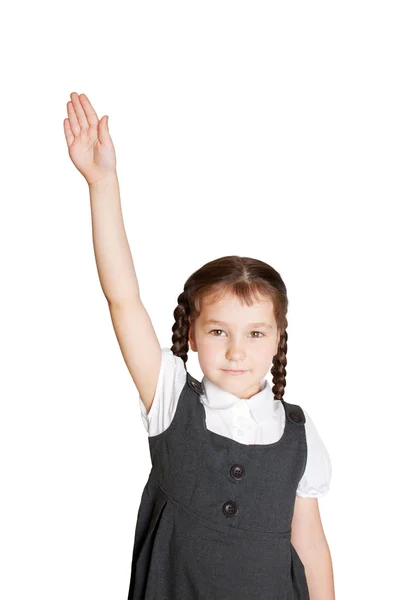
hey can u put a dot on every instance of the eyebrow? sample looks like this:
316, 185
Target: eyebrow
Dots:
261, 324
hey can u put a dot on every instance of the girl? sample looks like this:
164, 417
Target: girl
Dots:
230, 508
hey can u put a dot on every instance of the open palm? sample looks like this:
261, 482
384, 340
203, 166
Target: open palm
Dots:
89, 142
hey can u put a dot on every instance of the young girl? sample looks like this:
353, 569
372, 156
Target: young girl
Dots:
230, 508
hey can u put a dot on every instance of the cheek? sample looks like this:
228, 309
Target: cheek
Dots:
209, 351
209, 355
208, 343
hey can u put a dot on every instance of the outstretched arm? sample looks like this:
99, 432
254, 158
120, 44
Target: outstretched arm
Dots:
92, 151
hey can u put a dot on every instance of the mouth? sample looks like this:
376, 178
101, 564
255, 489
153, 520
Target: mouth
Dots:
233, 372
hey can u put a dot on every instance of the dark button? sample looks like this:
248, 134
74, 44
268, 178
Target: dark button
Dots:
197, 386
237, 471
230, 508
296, 417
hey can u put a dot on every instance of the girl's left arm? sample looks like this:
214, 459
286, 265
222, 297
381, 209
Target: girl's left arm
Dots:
310, 543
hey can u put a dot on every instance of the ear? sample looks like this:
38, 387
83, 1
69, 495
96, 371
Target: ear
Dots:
192, 341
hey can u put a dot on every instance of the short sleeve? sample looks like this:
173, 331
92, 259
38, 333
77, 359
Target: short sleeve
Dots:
317, 476
171, 380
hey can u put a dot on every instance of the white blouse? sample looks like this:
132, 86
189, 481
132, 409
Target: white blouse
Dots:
257, 420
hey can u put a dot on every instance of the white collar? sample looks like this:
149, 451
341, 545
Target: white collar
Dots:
262, 405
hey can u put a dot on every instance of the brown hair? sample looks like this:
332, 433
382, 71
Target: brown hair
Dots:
247, 278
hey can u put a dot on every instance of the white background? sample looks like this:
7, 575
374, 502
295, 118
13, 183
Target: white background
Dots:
260, 129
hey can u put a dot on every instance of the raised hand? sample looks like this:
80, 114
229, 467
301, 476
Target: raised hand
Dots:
90, 146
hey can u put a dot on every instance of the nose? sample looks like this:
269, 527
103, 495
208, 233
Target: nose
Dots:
235, 352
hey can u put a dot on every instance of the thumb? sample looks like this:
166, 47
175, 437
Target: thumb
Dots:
104, 133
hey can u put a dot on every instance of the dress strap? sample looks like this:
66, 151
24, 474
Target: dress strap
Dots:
197, 386
294, 413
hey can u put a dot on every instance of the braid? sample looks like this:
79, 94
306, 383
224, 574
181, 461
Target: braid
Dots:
278, 370
180, 336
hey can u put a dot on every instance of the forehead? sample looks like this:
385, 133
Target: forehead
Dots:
231, 306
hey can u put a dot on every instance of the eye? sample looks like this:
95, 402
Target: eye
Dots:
261, 334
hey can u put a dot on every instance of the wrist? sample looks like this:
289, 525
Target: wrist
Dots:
108, 179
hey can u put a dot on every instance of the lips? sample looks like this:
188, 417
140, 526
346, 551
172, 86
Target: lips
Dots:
234, 372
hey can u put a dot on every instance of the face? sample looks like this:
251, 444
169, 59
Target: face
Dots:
233, 342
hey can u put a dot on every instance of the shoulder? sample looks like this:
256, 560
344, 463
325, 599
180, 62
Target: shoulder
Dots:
171, 380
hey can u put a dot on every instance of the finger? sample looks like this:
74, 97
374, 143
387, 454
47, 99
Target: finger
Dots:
68, 133
80, 113
73, 121
91, 115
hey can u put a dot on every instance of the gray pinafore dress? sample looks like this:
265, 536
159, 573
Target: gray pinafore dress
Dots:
215, 516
